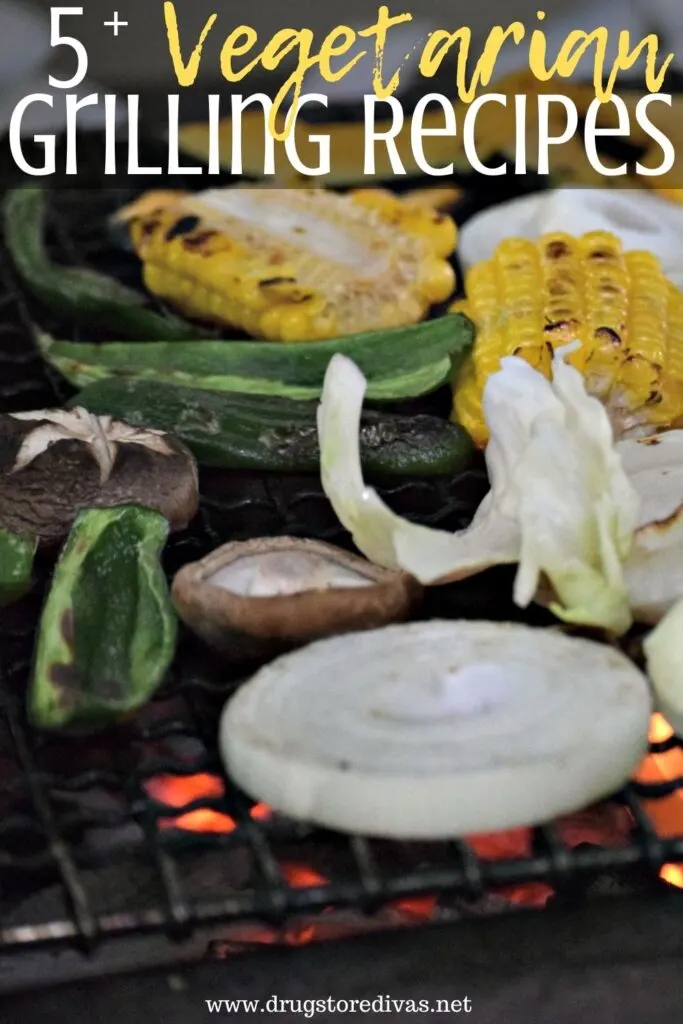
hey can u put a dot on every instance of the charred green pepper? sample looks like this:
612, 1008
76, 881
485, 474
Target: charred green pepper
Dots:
16, 564
79, 294
256, 432
403, 362
108, 630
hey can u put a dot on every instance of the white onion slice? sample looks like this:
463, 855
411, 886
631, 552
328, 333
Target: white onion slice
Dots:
437, 729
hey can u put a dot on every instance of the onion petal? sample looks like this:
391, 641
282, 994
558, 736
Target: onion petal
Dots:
560, 503
654, 569
382, 536
438, 729
664, 658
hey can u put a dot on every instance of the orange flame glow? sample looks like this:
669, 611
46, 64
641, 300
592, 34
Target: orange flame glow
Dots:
666, 813
594, 825
299, 876
181, 790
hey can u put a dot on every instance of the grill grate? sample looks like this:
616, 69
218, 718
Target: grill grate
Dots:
83, 851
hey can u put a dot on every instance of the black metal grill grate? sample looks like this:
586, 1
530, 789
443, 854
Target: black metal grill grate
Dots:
82, 853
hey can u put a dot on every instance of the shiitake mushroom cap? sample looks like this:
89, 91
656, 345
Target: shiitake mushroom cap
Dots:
245, 627
43, 498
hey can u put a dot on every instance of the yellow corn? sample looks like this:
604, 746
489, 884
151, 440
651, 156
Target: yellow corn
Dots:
533, 297
295, 264
675, 195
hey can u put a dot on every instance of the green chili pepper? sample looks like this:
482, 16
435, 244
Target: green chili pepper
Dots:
403, 362
277, 435
108, 630
16, 564
79, 294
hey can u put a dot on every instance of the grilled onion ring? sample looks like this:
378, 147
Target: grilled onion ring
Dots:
437, 729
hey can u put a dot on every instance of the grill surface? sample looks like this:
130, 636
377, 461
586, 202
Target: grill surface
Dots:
82, 853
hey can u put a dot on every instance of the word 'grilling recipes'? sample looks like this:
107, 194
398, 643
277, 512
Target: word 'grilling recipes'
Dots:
438, 131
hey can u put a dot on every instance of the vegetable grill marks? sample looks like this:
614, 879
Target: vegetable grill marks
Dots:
294, 264
107, 631
54, 462
89, 800
532, 297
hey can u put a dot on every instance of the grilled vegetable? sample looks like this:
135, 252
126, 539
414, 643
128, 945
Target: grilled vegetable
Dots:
401, 363
560, 505
654, 571
256, 599
640, 219
275, 434
294, 265
534, 296
108, 630
81, 295
663, 649
16, 562
436, 198
55, 462
434, 730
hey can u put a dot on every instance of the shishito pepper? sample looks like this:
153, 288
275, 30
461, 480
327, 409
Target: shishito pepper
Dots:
77, 293
16, 562
404, 362
277, 435
108, 630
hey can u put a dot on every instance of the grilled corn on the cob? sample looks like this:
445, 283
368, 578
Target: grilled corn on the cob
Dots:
532, 297
295, 264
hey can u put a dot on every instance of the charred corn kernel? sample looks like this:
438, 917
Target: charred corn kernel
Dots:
294, 265
533, 297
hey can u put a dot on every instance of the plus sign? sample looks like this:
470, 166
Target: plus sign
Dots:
116, 24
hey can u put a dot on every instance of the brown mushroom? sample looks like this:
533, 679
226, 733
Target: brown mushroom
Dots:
54, 462
255, 599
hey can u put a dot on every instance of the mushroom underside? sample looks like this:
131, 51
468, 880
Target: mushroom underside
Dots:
261, 597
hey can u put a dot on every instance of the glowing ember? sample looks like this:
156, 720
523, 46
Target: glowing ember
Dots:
606, 825
299, 876
300, 936
181, 790
506, 845
261, 812
421, 907
666, 813
672, 874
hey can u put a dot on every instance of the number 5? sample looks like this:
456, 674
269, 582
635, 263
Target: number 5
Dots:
59, 40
